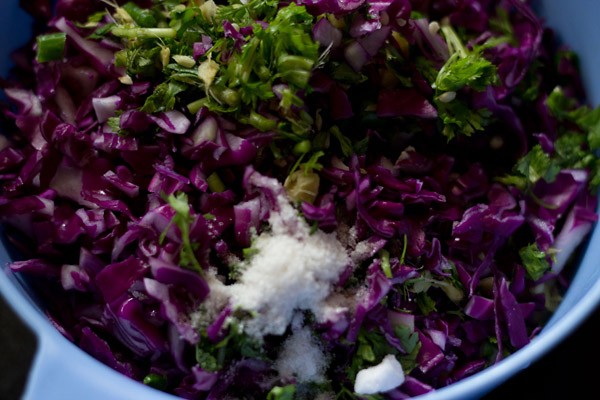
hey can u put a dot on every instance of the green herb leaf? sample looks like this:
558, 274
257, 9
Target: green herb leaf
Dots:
473, 71
344, 141
534, 260
282, 393
371, 347
282, 51
589, 121
464, 68
560, 105
164, 97
183, 220
205, 358
235, 345
502, 24
140, 61
247, 13
313, 163
102, 31
114, 123
409, 361
537, 165
408, 338
425, 303
459, 118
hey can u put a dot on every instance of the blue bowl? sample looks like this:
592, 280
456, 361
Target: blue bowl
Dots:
62, 371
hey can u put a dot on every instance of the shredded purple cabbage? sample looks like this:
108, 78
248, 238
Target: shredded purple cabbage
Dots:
444, 146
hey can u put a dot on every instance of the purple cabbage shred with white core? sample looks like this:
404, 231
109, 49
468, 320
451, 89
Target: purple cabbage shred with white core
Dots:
262, 199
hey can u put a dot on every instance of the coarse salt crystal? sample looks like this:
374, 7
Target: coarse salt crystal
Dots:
287, 274
302, 358
383, 377
292, 271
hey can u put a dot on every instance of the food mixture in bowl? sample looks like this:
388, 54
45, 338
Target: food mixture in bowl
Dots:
319, 199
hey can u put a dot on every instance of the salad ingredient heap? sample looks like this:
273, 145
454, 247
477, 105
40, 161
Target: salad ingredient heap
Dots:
297, 200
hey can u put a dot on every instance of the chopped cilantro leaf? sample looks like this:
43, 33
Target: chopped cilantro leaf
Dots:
313, 163
560, 105
283, 50
371, 347
537, 165
102, 31
459, 118
408, 338
472, 70
164, 97
570, 150
236, 344
114, 123
534, 260
183, 220
248, 12
282, 393
574, 148
589, 120
204, 357
409, 361
464, 68
344, 141
425, 303
502, 24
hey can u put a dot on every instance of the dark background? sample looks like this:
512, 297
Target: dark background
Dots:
569, 370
